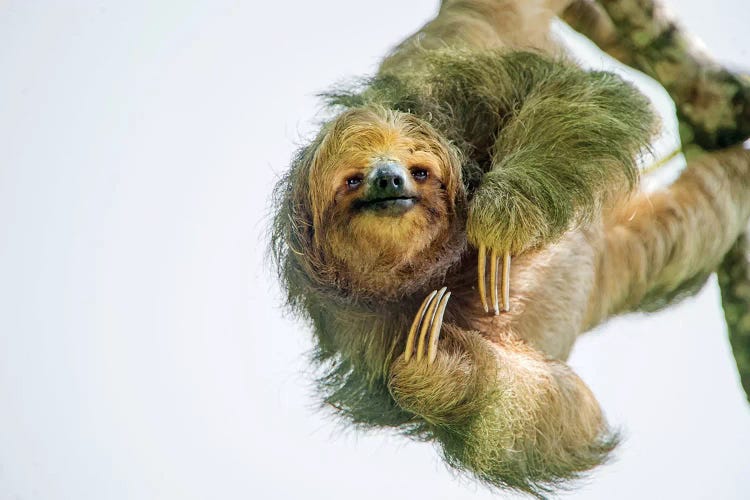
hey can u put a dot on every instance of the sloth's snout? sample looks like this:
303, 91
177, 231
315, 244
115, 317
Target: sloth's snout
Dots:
389, 190
387, 181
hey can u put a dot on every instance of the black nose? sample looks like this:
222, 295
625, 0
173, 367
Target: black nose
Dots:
387, 181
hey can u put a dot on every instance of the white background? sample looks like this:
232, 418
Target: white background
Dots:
143, 352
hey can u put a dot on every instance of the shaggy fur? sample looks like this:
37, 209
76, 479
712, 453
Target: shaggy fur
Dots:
517, 150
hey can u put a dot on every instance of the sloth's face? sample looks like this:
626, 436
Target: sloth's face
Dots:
383, 186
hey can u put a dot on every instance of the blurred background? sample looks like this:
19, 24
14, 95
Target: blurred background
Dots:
143, 349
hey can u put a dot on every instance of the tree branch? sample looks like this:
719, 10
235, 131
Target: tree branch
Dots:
713, 104
734, 280
713, 107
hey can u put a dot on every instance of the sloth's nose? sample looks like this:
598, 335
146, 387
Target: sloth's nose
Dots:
387, 181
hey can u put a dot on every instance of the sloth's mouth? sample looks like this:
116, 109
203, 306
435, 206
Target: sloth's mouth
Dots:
394, 205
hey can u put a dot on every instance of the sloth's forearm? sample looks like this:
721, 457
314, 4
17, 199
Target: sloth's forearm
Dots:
504, 411
569, 144
661, 245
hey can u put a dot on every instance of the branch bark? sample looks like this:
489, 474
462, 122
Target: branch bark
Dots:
713, 108
734, 280
713, 104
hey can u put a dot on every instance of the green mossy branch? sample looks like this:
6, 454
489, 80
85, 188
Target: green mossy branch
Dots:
734, 281
713, 103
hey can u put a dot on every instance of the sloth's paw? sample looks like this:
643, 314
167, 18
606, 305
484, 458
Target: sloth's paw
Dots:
501, 222
425, 330
444, 386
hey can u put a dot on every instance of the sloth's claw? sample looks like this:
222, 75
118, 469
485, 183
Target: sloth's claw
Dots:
415, 325
501, 303
428, 321
493, 281
437, 324
430, 316
481, 264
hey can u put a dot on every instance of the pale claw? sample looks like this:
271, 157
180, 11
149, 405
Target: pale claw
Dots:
428, 321
502, 302
437, 324
481, 264
415, 325
493, 281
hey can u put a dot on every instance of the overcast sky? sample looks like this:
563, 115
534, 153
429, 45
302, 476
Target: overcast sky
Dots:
143, 353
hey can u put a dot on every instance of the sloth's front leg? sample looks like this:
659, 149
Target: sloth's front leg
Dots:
498, 251
442, 385
501, 222
501, 410
567, 148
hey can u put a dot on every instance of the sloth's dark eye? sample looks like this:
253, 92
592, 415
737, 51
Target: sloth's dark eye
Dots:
354, 182
419, 174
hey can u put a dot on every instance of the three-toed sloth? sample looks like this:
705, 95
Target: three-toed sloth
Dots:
474, 144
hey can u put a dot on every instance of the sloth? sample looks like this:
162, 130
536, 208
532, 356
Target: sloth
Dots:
394, 229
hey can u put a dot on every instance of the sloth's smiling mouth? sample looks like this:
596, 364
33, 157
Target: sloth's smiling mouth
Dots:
395, 205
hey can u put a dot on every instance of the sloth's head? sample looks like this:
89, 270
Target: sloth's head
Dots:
384, 191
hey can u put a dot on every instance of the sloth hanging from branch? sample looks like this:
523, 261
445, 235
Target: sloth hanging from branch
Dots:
474, 207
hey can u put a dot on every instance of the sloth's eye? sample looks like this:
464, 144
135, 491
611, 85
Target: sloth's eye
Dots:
419, 174
354, 182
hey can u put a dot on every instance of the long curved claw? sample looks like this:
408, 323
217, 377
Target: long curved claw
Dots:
481, 264
500, 301
506, 281
435, 329
493, 281
430, 314
415, 325
428, 322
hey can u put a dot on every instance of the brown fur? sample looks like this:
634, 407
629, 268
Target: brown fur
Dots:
372, 255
